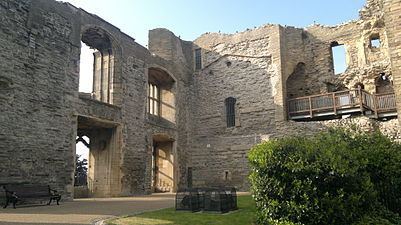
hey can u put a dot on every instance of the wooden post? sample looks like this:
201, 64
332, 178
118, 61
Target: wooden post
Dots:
360, 99
310, 107
374, 96
288, 109
334, 103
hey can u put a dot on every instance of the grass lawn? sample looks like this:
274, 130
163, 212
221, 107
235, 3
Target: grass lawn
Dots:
244, 216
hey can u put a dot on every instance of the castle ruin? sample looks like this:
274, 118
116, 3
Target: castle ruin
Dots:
180, 113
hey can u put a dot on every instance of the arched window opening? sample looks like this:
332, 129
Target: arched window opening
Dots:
230, 111
97, 43
383, 84
161, 94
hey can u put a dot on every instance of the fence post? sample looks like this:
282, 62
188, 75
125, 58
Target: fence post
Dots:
310, 107
334, 103
360, 99
374, 96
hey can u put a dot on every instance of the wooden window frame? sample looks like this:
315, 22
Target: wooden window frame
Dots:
154, 99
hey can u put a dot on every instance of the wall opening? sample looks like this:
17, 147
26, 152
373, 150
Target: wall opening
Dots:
230, 111
86, 69
99, 45
198, 59
383, 84
375, 41
162, 164
296, 82
161, 94
98, 141
338, 57
81, 167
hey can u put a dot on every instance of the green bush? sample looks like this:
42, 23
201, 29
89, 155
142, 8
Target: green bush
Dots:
336, 177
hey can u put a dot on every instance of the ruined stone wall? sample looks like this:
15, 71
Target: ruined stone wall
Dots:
364, 62
241, 66
392, 11
38, 78
300, 64
40, 104
175, 55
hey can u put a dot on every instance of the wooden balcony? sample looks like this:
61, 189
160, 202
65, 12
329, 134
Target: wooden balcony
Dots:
335, 104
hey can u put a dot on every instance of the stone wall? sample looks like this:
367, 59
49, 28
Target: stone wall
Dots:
242, 66
40, 104
41, 111
37, 79
299, 62
392, 10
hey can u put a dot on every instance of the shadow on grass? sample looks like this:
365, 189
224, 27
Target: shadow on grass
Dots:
244, 216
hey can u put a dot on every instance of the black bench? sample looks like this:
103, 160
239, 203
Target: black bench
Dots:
24, 192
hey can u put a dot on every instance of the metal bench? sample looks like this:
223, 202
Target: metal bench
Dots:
27, 192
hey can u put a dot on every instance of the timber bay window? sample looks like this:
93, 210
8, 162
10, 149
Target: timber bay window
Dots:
154, 99
230, 111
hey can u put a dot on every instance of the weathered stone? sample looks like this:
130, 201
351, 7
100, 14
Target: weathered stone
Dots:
42, 113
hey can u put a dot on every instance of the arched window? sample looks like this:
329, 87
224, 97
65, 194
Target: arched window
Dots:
100, 46
230, 111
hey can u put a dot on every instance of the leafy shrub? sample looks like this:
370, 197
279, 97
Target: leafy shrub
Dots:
336, 177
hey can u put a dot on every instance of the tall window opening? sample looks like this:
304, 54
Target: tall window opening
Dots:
86, 68
96, 42
230, 111
339, 57
153, 99
161, 94
198, 59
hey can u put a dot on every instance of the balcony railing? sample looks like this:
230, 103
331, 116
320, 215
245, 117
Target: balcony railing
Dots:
342, 103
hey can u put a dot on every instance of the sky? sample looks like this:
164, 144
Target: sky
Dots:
189, 19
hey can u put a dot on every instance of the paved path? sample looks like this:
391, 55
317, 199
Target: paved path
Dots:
84, 211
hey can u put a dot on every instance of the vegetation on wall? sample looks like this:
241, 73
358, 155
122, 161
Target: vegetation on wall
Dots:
342, 176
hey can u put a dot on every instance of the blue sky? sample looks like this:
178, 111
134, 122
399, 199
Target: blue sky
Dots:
189, 19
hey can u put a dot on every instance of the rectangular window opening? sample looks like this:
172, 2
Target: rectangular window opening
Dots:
230, 111
153, 99
339, 58
198, 59
375, 43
